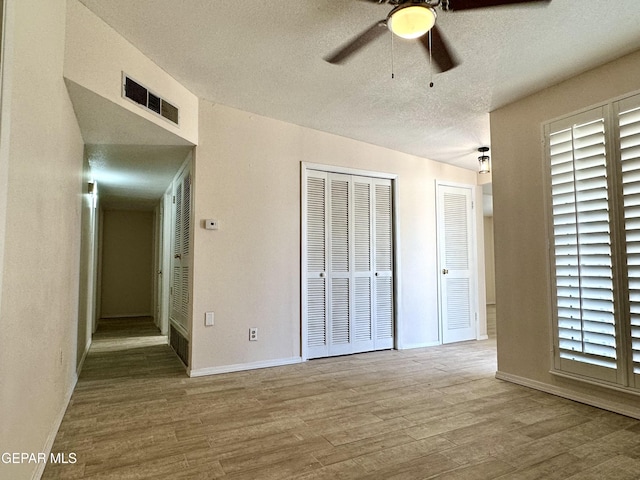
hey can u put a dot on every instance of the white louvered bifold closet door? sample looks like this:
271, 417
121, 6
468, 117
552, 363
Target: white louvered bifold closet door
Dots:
179, 311
629, 128
582, 246
347, 309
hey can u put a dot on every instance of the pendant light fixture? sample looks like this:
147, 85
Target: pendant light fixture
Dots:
483, 160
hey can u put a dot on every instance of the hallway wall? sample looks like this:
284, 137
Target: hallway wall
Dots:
127, 264
41, 238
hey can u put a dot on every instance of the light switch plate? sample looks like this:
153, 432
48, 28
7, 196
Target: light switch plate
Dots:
208, 319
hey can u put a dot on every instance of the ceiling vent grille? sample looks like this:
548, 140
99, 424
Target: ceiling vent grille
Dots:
143, 97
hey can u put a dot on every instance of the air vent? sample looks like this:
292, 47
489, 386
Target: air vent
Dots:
179, 344
142, 96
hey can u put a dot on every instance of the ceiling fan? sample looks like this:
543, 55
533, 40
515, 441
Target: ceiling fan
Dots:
413, 19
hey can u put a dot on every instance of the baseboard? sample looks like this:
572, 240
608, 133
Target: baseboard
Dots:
201, 372
84, 357
54, 430
410, 346
483, 337
611, 406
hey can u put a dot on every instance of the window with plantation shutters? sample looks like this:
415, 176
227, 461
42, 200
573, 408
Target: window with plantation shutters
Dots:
594, 171
629, 137
582, 244
348, 264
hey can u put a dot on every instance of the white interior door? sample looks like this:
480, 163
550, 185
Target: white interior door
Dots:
456, 263
348, 264
181, 243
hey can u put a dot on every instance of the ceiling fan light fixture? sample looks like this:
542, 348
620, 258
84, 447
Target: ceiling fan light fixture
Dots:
411, 21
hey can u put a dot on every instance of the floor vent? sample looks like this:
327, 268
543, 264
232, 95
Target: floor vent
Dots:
142, 96
179, 344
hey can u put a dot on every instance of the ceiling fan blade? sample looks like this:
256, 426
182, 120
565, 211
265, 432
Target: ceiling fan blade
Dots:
457, 5
351, 47
440, 51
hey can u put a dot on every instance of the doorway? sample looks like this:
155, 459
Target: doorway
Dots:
458, 304
348, 279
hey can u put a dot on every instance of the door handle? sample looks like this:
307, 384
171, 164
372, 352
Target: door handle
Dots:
445, 271
321, 274
177, 255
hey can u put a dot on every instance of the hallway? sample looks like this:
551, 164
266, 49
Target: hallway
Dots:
424, 413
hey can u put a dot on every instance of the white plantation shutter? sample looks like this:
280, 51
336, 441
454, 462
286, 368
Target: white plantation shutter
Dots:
582, 245
629, 138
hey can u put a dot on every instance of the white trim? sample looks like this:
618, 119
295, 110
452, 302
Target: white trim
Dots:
53, 433
395, 222
482, 337
84, 357
347, 171
411, 346
240, 367
595, 382
611, 406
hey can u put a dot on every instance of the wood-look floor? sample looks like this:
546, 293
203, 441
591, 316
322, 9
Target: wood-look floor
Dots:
428, 413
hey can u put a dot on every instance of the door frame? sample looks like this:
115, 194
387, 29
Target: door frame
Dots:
474, 275
395, 218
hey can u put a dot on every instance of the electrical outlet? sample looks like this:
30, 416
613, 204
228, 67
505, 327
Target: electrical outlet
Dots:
253, 334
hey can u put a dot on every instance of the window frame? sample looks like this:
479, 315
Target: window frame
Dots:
622, 377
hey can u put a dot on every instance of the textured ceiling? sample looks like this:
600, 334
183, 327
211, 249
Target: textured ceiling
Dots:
266, 57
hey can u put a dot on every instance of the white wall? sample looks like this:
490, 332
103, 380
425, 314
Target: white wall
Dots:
489, 260
247, 176
88, 268
127, 264
39, 309
523, 282
96, 55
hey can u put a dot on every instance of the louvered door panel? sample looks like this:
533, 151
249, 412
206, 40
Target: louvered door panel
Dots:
629, 127
315, 300
180, 294
383, 276
341, 240
362, 310
339, 228
362, 273
340, 315
186, 214
340, 273
455, 246
362, 225
384, 312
